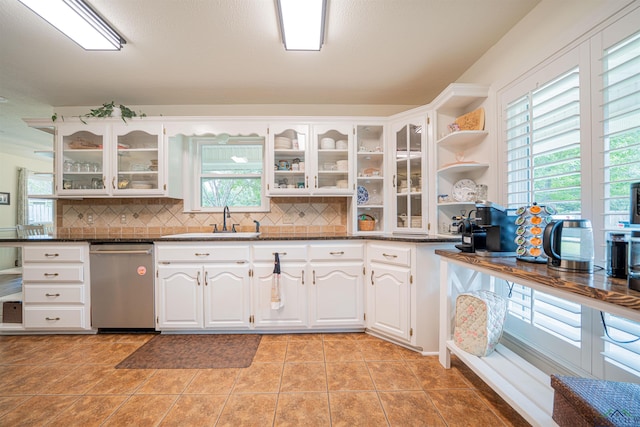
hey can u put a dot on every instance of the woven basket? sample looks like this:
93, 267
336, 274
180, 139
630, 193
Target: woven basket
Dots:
366, 222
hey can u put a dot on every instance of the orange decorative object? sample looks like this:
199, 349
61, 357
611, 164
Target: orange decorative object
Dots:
471, 121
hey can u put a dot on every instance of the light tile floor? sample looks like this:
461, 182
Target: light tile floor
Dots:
295, 380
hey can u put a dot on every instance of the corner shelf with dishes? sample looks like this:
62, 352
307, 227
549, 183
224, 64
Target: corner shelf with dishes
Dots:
370, 161
463, 164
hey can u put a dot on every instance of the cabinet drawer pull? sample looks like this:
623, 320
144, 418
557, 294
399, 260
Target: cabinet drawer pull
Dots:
279, 253
206, 278
113, 183
51, 255
307, 182
302, 275
202, 254
393, 181
336, 253
52, 318
50, 274
198, 279
371, 277
241, 262
389, 255
314, 276
52, 295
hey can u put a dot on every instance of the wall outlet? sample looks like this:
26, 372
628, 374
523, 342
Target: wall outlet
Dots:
90, 219
123, 219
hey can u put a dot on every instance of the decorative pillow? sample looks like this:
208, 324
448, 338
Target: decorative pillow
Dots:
479, 321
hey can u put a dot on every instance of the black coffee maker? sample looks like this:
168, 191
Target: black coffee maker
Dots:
491, 232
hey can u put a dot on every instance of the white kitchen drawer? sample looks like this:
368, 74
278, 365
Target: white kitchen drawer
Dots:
336, 252
64, 294
389, 254
286, 252
60, 253
204, 253
54, 318
52, 273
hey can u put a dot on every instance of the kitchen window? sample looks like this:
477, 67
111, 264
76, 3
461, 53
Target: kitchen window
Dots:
571, 132
229, 171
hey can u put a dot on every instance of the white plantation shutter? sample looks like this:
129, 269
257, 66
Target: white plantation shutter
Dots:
543, 146
543, 166
622, 346
621, 127
621, 134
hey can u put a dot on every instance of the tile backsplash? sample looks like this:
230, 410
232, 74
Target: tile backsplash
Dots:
155, 217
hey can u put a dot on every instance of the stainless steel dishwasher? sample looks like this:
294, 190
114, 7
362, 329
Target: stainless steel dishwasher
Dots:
122, 294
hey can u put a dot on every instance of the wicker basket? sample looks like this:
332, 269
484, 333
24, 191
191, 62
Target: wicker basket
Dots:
366, 222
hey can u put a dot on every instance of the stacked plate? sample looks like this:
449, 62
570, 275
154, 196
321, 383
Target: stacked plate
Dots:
282, 143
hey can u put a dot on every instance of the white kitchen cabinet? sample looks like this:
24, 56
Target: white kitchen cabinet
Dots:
288, 162
460, 155
334, 162
293, 284
179, 297
388, 291
202, 286
370, 168
56, 289
311, 159
336, 296
410, 179
227, 295
108, 157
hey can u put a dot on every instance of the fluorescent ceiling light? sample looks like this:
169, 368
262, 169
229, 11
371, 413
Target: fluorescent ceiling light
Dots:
302, 23
77, 21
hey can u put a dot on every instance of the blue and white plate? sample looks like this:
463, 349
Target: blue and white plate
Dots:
363, 195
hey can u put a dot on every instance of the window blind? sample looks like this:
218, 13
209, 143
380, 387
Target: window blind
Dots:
621, 344
621, 127
543, 146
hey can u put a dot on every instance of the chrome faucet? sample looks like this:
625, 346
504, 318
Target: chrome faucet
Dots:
225, 214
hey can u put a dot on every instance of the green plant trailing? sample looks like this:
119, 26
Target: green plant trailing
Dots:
105, 110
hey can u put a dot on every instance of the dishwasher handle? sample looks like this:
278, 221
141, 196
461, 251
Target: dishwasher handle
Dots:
123, 251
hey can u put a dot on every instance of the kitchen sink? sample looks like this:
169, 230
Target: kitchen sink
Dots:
219, 235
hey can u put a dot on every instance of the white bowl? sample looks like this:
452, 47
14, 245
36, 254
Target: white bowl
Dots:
342, 145
327, 144
342, 165
282, 142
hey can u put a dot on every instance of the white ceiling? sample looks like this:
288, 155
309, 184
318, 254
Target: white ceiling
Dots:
211, 52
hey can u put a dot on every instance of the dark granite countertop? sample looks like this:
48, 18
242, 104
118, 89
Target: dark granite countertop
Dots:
409, 238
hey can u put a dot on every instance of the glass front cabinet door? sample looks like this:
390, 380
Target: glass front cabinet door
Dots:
333, 145
82, 163
409, 182
136, 159
290, 169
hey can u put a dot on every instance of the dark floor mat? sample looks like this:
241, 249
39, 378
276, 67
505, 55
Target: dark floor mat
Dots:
204, 351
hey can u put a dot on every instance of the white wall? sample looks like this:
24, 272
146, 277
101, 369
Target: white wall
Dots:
547, 29
8, 183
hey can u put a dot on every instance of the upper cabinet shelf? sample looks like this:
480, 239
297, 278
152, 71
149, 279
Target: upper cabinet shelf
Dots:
462, 140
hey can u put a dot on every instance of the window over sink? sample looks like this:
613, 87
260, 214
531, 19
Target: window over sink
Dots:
228, 171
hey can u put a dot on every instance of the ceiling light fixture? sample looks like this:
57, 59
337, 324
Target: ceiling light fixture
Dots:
78, 22
302, 23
